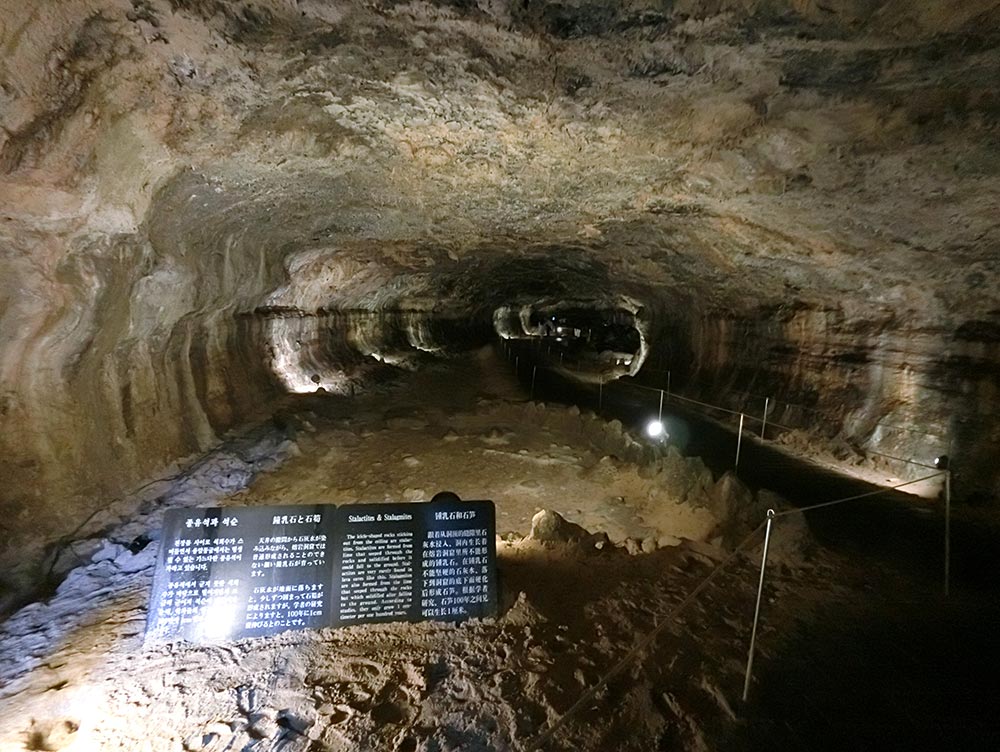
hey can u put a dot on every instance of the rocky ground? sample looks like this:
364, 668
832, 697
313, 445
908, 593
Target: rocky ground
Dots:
578, 595
575, 598
797, 198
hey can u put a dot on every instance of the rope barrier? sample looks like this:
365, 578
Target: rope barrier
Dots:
835, 502
773, 423
898, 459
649, 639
638, 649
774, 408
644, 644
671, 395
815, 411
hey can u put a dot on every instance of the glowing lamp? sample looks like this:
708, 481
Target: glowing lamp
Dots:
656, 430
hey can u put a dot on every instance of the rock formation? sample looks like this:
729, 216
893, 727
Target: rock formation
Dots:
205, 205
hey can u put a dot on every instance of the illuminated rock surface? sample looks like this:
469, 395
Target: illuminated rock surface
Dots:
209, 209
375, 686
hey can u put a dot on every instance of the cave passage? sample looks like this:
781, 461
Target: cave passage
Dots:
263, 252
591, 343
639, 525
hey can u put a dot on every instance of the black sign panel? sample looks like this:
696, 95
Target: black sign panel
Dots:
235, 572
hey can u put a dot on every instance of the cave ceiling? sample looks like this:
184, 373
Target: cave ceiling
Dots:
845, 158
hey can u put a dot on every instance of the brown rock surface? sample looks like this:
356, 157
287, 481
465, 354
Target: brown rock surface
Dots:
206, 205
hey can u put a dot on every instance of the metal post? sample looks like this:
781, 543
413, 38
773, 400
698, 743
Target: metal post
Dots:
763, 423
534, 370
756, 611
739, 441
947, 532
668, 382
659, 416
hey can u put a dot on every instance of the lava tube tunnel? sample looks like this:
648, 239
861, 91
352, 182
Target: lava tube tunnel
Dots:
479, 375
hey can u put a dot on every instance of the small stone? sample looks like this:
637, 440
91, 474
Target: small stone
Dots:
128, 562
551, 527
85, 550
263, 725
648, 545
108, 552
667, 541
294, 722
219, 729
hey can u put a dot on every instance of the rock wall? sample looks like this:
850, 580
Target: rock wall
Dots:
128, 356
879, 388
814, 183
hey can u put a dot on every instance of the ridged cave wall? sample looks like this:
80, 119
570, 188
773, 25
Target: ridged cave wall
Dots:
876, 387
206, 205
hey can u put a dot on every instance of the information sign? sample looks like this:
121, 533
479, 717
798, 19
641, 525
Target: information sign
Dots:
233, 572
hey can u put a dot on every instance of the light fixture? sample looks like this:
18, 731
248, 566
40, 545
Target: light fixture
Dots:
656, 430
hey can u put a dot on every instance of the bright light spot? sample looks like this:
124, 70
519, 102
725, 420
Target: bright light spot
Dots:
292, 363
218, 618
656, 430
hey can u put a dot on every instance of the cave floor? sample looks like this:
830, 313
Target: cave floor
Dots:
856, 652
472, 430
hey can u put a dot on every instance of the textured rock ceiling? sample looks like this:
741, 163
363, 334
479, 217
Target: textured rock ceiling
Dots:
801, 196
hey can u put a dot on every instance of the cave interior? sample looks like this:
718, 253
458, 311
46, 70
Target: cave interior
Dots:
333, 251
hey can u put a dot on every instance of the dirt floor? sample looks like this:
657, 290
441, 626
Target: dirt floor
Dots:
75, 674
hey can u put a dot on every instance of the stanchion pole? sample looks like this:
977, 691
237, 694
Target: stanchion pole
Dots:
763, 423
947, 533
659, 415
756, 611
534, 370
739, 441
